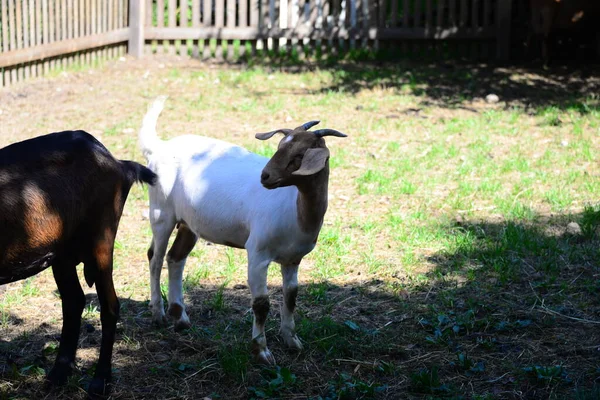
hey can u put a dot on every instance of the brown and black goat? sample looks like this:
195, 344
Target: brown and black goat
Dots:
61, 199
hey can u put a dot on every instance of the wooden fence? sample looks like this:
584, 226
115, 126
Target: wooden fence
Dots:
209, 27
37, 36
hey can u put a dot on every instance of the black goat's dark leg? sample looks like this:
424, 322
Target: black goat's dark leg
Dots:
109, 313
73, 302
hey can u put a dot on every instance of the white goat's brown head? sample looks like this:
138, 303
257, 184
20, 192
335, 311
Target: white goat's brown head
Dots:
300, 155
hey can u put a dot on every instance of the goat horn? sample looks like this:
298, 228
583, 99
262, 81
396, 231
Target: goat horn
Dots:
268, 135
308, 125
329, 132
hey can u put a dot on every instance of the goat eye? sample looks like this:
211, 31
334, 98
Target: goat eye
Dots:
295, 162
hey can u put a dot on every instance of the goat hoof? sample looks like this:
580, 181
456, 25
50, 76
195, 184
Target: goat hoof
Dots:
160, 321
98, 388
59, 374
182, 325
265, 357
292, 342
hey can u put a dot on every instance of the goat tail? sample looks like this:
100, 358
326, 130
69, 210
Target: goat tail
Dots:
148, 137
136, 172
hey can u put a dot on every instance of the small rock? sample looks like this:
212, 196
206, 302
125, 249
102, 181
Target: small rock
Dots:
146, 213
492, 98
122, 59
128, 130
574, 229
288, 119
89, 328
161, 357
146, 74
564, 143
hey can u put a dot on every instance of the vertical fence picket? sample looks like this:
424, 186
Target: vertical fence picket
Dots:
80, 26
289, 24
160, 22
148, 46
94, 26
32, 34
26, 36
195, 24
172, 19
353, 22
381, 22
243, 22
452, 17
439, 26
45, 32
88, 27
254, 15
336, 10
5, 41
263, 23
71, 21
219, 23
61, 24
35, 33
275, 24
312, 22
230, 15
183, 22
121, 22
19, 36
89, 5
486, 23
105, 18
51, 29
418, 14
406, 14
474, 28
345, 21
326, 24
207, 21
113, 24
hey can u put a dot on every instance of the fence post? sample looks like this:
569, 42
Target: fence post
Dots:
136, 27
503, 18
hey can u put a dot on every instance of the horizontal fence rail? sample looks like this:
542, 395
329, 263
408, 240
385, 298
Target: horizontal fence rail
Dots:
39, 35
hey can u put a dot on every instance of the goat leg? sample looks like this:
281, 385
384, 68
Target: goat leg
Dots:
73, 302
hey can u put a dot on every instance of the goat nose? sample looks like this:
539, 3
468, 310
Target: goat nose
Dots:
264, 176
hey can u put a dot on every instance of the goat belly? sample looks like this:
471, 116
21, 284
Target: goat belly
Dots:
16, 270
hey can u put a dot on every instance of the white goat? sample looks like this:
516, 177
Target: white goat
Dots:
211, 189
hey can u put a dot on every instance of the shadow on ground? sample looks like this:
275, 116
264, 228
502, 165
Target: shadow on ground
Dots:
453, 84
510, 311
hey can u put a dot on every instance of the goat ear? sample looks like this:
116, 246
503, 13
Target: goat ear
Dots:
268, 135
313, 161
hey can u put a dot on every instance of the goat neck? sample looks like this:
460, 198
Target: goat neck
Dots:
312, 201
